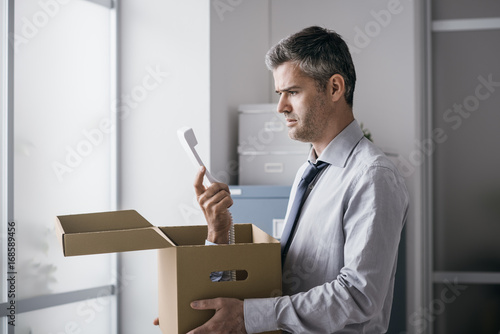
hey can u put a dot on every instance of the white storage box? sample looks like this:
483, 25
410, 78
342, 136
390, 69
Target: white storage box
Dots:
270, 168
262, 129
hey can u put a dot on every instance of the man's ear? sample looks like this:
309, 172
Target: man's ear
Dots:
336, 87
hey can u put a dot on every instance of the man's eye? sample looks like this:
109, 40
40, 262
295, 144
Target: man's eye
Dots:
292, 92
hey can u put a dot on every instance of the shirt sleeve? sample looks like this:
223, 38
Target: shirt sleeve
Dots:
375, 211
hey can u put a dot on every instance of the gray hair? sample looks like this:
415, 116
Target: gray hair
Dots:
320, 53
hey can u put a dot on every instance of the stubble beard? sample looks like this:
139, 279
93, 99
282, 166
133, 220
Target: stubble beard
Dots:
308, 127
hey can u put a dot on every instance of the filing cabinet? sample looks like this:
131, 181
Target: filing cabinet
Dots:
269, 168
267, 156
263, 206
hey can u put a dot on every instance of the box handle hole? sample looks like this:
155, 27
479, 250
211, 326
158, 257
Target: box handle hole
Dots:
241, 275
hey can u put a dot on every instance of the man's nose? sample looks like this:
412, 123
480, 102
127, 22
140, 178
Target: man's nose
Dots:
283, 105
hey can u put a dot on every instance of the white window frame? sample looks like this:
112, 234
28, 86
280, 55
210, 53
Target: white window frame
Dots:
7, 170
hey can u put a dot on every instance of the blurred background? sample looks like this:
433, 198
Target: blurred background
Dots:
93, 92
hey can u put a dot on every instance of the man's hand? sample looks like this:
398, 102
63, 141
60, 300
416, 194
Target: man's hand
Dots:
214, 202
228, 316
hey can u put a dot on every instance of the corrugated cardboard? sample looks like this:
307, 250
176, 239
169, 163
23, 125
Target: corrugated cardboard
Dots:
184, 262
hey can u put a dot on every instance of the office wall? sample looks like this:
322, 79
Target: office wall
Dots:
164, 80
239, 39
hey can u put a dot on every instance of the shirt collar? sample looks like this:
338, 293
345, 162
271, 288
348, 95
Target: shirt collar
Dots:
339, 149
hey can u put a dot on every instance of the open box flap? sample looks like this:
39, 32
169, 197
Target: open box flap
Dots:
108, 232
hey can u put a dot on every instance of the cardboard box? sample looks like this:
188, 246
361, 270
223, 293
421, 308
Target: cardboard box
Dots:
185, 263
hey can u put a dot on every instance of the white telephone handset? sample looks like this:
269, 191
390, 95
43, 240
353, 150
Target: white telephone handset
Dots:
188, 141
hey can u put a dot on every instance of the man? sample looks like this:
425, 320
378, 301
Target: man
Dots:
339, 259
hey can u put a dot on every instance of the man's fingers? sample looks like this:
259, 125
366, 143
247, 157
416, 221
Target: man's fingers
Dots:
218, 197
205, 304
200, 330
214, 195
228, 317
225, 190
223, 186
215, 188
199, 188
227, 202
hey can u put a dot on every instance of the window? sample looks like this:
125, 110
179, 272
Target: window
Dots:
58, 157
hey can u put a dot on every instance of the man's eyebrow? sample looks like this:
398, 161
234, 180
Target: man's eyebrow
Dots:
287, 89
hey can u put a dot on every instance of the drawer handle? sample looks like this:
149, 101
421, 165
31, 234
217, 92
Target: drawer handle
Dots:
278, 225
273, 167
273, 126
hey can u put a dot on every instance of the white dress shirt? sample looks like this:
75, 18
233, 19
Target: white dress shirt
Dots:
338, 276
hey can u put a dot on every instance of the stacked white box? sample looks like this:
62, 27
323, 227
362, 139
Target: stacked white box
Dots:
267, 156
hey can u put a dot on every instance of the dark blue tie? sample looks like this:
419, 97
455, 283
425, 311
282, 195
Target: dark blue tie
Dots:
310, 173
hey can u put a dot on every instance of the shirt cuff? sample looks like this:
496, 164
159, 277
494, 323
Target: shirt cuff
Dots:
209, 243
260, 315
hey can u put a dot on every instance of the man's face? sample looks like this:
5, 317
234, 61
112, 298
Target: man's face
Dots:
307, 110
